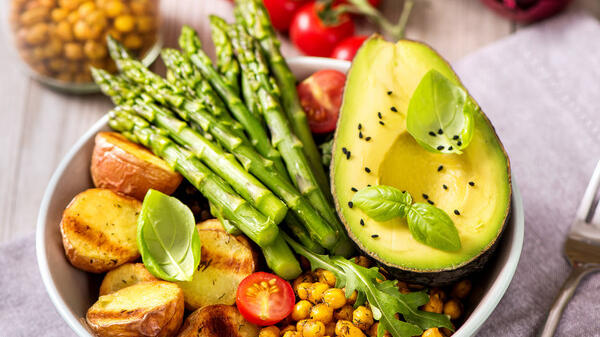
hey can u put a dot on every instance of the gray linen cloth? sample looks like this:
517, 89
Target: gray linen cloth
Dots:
541, 89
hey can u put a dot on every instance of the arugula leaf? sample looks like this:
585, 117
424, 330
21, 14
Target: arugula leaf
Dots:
167, 237
433, 227
440, 114
384, 297
326, 149
382, 203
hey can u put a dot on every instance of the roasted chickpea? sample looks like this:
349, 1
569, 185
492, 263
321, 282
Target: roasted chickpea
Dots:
72, 17
33, 16
330, 329
350, 300
133, 41
291, 334
325, 276
362, 317
73, 51
373, 331
344, 313
300, 325
304, 278
269, 331
313, 328
453, 309
438, 292
432, 332
81, 30
287, 328
362, 261
301, 310
114, 8
82, 77
124, 23
97, 21
334, 297
347, 329
57, 64
303, 290
461, 289
69, 4
139, 7
145, 24
37, 34
434, 305
64, 77
63, 31
94, 50
315, 294
322, 313
86, 8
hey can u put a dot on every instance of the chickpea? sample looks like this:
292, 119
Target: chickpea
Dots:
145, 24
33, 16
81, 30
57, 64
300, 325
94, 50
321, 312
114, 8
64, 77
287, 328
53, 48
313, 329
86, 8
124, 23
437, 292
461, 289
325, 276
97, 21
73, 51
133, 41
72, 17
350, 300
453, 309
304, 278
269, 331
291, 334
330, 329
434, 305
373, 331
446, 332
344, 313
69, 4
47, 3
301, 310
63, 31
362, 317
362, 261
37, 34
82, 78
139, 7
335, 298
432, 332
315, 294
303, 290
347, 329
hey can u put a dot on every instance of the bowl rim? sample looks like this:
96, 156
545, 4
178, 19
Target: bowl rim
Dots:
475, 321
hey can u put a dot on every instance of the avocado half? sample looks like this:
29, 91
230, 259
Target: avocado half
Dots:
372, 128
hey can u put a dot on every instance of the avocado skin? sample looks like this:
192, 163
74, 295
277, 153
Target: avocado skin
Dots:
439, 277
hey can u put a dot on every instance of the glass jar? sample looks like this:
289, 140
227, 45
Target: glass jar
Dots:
58, 40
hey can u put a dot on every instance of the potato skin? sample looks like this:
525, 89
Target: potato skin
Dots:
217, 321
149, 309
126, 167
124, 276
98, 230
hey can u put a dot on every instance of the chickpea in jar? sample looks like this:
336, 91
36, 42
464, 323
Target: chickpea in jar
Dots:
61, 39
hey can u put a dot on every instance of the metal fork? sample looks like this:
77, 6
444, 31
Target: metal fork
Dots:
582, 250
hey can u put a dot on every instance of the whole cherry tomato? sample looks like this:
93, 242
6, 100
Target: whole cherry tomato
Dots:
321, 97
312, 36
264, 299
346, 49
282, 12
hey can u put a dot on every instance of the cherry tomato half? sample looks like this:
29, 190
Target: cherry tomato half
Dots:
321, 97
264, 299
346, 49
312, 36
282, 12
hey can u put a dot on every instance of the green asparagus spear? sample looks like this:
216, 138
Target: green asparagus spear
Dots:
253, 223
255, 18
226, 63
227, 224
192, 46
279, 258
293, 224
224, 164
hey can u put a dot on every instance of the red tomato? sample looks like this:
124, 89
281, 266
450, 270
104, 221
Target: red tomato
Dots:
321, 97
346, 49
313, 37
262, 305
282, 12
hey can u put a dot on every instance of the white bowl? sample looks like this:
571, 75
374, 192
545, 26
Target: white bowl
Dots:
73, 291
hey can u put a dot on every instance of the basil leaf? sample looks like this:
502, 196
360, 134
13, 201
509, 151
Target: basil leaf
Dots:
382, 203
433, 227
440, 114
167, 237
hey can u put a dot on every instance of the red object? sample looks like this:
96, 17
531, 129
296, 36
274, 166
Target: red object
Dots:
321, 97
346, 49
527, 10
264, 305
313, 37
282, 12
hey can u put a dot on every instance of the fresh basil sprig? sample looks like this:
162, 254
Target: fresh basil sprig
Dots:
440, 114
427, 224
167, 237
384, 297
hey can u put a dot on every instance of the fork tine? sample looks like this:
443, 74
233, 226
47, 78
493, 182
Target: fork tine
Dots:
589, 195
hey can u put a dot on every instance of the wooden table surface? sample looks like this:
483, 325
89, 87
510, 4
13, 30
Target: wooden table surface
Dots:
40, 125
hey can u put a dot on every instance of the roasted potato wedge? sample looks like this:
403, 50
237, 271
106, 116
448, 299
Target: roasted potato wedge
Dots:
124, 276
225, 261
99, 230
128, 168
217, 321
143, 309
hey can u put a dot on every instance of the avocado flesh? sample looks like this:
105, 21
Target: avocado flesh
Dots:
394, 158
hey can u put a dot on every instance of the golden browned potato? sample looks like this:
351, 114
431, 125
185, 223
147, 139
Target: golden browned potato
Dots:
99, 230
126, 167
225, 261
124, 276
144, 309
217, 321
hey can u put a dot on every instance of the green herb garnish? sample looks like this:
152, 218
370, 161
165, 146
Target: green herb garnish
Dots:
428, 224
440, 114
167, 237
384, 297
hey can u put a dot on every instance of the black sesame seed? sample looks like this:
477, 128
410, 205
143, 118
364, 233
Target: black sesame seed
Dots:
375, 236
440, 148
441, 167
381, 122
368, 170
379, 115
394, 109
348, 155
350, 204
403, 191
450, 148
359, 126
368, 185
459, 143
389, 92
360, 135
368, 139
353, 189
440, 132
444, 186
471, 183
455, 137
456, 212
432, 134
430, 202
362, 222
344, 150
425, 196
